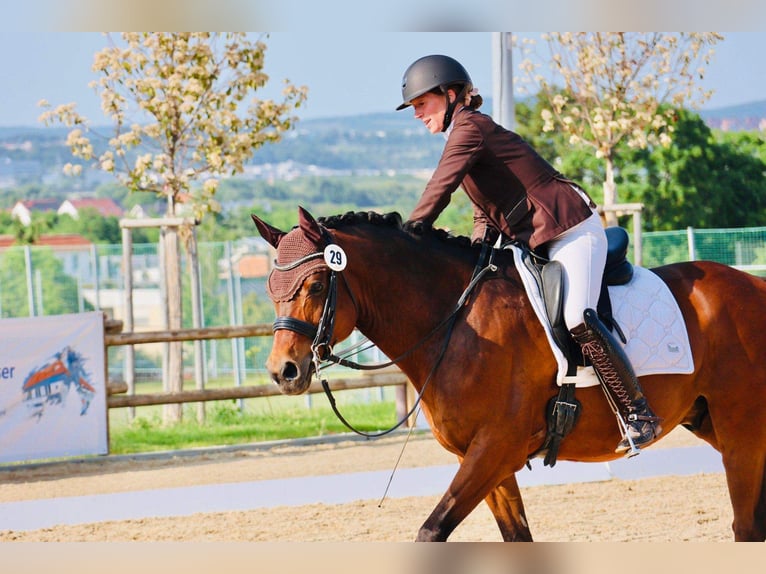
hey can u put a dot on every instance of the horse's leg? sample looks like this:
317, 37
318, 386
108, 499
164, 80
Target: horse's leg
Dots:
746, 479
476, 477
742, 444
745, 471
508, 509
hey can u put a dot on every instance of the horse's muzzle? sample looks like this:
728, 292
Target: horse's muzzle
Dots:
293, 378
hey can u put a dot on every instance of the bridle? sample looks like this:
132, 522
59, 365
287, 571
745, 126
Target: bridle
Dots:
321, 334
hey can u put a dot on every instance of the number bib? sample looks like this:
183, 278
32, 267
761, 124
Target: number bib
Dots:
335, 257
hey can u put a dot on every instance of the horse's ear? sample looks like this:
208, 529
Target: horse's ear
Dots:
309, 226
271, 234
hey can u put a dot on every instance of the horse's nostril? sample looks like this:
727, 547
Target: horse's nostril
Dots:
289, 371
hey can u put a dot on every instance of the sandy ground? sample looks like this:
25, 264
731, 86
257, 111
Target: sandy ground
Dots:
663, 509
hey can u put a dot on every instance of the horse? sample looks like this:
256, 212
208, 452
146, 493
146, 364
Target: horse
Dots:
485, 379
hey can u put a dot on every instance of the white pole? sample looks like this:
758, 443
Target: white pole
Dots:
692, 245
30, 286
129, 366
503, 110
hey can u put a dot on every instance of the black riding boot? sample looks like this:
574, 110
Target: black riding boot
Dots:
616, 374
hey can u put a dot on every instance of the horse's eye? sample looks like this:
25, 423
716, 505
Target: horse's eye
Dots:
316, 287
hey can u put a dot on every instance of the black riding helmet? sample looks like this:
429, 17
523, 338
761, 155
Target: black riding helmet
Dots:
435, 71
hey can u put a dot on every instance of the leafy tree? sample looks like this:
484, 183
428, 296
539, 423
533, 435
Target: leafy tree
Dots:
704, 180
174, 100
613, 86
578, 163
188, 87
91, 225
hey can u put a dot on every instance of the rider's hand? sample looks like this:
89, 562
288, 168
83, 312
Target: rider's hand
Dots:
415, 227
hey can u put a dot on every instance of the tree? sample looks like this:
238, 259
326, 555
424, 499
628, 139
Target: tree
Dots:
704, 180
174, 100
614, 84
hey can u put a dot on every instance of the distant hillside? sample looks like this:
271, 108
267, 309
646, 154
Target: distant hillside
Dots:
385, 142
750, 116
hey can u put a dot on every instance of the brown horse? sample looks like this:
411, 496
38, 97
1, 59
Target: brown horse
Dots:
488, 384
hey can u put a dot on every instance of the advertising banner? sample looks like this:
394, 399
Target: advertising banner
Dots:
52, 387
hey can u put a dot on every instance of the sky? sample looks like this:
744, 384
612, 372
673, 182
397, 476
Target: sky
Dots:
348, 72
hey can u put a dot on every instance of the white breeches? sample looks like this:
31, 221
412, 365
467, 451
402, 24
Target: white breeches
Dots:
581, 251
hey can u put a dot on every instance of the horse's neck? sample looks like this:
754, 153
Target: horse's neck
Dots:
402, 296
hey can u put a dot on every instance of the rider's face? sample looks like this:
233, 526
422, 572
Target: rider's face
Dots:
430, 109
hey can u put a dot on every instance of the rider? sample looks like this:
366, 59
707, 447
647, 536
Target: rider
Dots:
518, 195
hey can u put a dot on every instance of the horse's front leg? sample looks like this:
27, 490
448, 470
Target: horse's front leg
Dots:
476, 477
508, 509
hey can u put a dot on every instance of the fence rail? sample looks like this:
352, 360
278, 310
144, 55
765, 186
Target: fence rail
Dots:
199, 334
118, 399
252, 391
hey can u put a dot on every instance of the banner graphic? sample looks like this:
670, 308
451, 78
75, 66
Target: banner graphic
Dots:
52, 387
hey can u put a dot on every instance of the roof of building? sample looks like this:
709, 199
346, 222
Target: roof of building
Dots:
59, 241
105, 206
253, 265
40, 204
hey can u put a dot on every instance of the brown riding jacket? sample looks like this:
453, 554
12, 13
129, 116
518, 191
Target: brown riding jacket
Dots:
513, 189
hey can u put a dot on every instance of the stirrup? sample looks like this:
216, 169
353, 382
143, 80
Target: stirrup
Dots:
631, 445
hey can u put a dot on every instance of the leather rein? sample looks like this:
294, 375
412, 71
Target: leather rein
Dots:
321, 334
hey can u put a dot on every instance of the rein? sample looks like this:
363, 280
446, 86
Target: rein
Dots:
321, 334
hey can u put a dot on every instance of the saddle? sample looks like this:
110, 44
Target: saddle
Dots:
549, 276
563, 411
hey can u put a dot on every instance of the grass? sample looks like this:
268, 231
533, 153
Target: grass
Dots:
226, 424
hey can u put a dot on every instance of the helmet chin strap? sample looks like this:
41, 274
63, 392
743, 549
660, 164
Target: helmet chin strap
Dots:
451, 106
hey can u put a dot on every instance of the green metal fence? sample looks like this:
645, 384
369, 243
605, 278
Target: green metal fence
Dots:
744, 248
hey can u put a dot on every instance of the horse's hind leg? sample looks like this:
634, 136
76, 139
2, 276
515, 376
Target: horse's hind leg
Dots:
742, 444
746, 478
508, 509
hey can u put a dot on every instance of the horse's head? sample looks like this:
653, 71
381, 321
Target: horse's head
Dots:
299, 285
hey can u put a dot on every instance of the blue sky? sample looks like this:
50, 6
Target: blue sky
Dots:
347, 72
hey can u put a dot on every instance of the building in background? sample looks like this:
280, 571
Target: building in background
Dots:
104, 206
23, 210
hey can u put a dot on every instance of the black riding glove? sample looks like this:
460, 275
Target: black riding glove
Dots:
415, 227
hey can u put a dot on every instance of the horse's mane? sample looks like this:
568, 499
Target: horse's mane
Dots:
393, 220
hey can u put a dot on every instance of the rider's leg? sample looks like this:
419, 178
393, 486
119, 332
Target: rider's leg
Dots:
582, 253
615, 372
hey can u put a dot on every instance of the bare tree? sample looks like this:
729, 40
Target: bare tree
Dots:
176, 103
608, 87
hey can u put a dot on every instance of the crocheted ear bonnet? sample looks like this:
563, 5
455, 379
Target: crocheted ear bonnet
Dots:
284, 285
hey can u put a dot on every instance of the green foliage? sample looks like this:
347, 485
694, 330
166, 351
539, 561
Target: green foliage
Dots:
323, 196
578, 163
458, 217
59, 295
705, 179
90, 225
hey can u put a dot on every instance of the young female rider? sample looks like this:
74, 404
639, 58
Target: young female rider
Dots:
518, 195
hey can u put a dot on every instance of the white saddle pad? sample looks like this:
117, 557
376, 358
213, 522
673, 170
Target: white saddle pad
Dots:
647, 313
